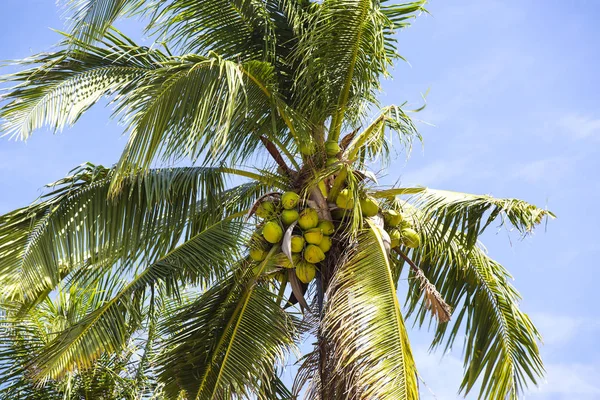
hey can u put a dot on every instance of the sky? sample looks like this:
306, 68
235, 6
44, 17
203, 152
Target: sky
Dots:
512, 111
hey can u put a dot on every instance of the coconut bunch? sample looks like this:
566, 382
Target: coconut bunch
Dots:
308, 238
400, 230
398, 227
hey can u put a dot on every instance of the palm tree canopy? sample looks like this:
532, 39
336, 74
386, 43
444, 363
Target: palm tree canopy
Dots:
169, 255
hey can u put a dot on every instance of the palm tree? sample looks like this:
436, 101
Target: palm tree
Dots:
290, 87
112, 376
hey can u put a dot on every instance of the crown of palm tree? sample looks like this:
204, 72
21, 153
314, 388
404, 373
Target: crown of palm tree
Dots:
289, 86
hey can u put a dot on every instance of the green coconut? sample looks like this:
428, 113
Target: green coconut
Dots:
327, 227
332, 148
265, 209
308, 219
258, 254
313, 254
410, 238
289, 216
331, 161
272, 232
308, 149
289, 200
395, 237
313, 236
369, 207
297, 243
325, 244
392, 217
345, 200
306, 272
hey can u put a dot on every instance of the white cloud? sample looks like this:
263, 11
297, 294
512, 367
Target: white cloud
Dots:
569, 381
579, 126
557, 329
547, 170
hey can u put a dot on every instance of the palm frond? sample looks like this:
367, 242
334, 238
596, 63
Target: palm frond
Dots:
227, 341
372, 143
364, 326
107, 328
76, 227
470, 214
25, 336
347, 47
232, 28
175, 107
500, 340
62, 85
91, 19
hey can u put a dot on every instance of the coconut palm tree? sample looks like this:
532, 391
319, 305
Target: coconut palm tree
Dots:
122, 375
273, 106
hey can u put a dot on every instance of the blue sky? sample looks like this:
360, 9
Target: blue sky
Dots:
513, 111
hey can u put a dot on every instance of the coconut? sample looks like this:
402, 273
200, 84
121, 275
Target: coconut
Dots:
289, 216
265, 209
331, 161
308, 219
369, 207
392, 218
258, 254
395, 237
345, 200
325, 244
332, 148
313, 236
297, 244
289, 200
308, 149
411, 238
272, 232
313, 254
327, 227
306, 272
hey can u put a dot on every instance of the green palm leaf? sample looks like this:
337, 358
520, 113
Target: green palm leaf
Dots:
469, 214
107, 328
364, 326
77, 228
227, 341
501, 342
91, 19
63, 85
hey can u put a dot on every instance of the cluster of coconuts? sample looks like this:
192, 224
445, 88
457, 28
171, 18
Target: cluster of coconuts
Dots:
398, 227
400, 230
309, 242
